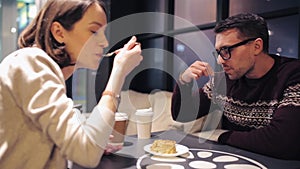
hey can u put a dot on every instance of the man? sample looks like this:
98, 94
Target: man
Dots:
261, 103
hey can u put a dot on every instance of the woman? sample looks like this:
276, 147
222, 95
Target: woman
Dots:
38, 126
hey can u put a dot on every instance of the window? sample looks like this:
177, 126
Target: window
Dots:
260, 6
195, 11
26, 12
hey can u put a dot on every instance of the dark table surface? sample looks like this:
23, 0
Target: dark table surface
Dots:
133, 155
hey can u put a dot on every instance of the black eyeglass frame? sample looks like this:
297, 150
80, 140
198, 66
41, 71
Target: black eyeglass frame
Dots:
228, 49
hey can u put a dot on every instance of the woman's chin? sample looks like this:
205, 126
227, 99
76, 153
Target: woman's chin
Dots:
92, 66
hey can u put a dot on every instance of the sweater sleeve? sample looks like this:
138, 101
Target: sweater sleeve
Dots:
39, 89
189, 104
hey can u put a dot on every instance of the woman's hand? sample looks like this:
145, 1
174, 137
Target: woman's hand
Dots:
109, 149
125, 61
128, 57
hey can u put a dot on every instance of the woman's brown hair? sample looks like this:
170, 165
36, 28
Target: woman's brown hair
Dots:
37, 33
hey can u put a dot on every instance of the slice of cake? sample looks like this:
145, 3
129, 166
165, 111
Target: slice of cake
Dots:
164, 146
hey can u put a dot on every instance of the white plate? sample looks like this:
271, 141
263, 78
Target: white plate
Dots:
180, 149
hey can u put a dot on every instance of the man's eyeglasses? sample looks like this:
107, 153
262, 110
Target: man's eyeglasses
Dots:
225, 52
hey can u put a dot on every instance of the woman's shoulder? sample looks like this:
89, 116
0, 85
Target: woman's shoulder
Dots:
32, 55
26, 53
29, 58
32, 52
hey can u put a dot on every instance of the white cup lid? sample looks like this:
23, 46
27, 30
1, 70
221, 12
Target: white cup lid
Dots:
121, 116
144, 112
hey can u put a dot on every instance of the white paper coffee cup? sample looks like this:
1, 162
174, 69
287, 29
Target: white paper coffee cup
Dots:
144, 123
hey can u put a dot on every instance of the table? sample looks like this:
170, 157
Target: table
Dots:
133, 155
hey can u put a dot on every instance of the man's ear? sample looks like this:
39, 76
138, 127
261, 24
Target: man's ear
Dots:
57, 31
258, 45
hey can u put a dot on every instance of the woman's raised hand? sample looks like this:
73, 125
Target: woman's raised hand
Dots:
129, 57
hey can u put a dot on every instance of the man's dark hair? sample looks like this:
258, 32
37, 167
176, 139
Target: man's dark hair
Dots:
249, 25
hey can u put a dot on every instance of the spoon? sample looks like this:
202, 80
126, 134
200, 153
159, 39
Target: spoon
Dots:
118, 50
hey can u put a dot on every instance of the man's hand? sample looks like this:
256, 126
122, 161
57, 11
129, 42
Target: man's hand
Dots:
195, 71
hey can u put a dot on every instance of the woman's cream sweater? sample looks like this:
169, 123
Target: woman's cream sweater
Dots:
38, 126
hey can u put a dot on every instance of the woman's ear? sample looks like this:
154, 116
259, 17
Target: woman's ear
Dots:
57, 31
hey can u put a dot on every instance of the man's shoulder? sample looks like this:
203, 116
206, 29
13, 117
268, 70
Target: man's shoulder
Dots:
287, 63
286, 59
288, 70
